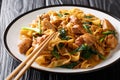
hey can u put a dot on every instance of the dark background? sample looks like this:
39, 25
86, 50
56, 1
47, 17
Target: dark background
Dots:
10, 9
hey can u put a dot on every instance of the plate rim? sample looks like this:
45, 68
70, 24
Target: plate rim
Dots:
44, 7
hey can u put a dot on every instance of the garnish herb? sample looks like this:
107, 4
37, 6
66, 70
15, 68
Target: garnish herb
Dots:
86, 27
37, 30
32, 29
55, 52
63, 34
109, 32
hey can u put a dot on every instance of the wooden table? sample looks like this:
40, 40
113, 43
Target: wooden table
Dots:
10, 9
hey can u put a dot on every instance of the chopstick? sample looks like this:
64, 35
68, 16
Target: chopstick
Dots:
30, 59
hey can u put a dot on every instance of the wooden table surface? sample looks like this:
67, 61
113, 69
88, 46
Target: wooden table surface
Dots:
10, 9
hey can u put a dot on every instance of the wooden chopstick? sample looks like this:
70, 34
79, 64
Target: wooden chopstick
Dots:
30, 59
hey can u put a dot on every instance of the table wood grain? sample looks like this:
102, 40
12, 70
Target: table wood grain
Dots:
10, 9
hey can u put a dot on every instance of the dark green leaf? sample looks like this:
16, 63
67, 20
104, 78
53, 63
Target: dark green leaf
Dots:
109, 32
87, 23
61, 45
55, 52
86, 54
82, 47
86, 51
70, 66
63, 34
66, 13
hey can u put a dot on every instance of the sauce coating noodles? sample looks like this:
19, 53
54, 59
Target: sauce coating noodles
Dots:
83, 41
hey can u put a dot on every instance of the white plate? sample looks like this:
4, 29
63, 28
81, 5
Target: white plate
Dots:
11, 36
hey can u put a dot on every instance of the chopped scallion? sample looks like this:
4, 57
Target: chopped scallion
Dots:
86, 27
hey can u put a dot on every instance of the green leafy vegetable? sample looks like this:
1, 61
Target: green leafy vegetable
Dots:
102, 39
87, 23
61, 45
101, 56
63, 34
86, 54
70, 65
82, 47
66, 13
88, 17
86, 51
55, 52
100, 25
33, 29
86, 27
109, 32
39, 26
60, 15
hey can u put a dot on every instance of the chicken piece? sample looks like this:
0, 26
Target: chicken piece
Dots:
63, 24
47, 25
107, 25
41, 39
111, 41
79, 41
56, 22
74, 20
90, 40
38, 40
24, 45
78, 29
45, 16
